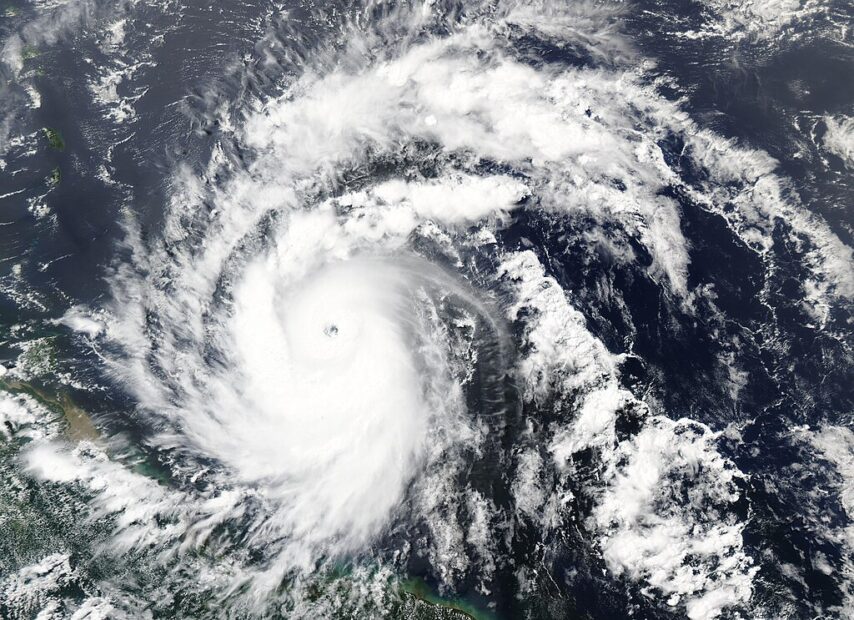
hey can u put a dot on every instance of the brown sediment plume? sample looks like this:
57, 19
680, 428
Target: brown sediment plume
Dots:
79, 425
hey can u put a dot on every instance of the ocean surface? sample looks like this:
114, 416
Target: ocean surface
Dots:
436, 309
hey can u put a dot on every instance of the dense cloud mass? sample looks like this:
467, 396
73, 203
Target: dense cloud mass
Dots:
402, 310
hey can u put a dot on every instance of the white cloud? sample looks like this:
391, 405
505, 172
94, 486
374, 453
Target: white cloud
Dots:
836, 444
282, 328
690, 551
839, 137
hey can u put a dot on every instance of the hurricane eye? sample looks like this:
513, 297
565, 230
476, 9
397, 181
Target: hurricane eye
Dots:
331, 330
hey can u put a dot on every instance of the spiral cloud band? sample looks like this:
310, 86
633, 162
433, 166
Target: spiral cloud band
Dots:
318, 339
355, 310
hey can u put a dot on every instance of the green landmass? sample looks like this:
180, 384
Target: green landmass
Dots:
445, 608
54, 138
411, 599
416, 608
29, 52
39, 358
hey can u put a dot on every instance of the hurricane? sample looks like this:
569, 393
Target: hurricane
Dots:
442, 309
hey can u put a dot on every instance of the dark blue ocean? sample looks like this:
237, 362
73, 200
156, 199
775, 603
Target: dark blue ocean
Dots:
732, 440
